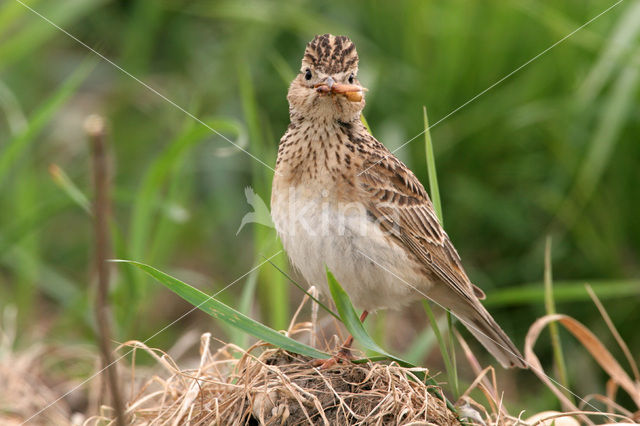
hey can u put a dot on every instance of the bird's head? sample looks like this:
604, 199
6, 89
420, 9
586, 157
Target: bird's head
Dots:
327, 86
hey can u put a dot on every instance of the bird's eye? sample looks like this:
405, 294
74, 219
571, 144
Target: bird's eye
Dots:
351, 79
307, 74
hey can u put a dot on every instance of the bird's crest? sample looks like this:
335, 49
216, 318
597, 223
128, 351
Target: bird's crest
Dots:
331, 54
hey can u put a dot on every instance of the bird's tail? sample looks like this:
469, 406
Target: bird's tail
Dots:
488, 332
484, 328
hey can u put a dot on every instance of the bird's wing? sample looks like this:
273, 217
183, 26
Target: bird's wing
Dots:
400, 204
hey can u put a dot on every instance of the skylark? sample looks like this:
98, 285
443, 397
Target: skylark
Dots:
341, 199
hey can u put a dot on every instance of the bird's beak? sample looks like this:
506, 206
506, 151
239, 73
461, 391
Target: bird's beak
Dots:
351, 91
329, 82
326, 85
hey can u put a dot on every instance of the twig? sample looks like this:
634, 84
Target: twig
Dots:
94, 126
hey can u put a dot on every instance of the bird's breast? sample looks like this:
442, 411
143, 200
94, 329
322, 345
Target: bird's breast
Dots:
318, 230
317, 154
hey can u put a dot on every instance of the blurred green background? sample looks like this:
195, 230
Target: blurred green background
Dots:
551, 150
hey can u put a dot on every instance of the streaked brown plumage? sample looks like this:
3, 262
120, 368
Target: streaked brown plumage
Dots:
341, 199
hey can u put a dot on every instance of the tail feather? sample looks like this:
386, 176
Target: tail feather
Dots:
488, 332
483, 327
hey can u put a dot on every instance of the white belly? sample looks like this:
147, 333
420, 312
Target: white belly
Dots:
373, 271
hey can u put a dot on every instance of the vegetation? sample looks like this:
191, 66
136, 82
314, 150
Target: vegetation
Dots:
550, 151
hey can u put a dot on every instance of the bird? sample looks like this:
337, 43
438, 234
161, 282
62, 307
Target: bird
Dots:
342, 201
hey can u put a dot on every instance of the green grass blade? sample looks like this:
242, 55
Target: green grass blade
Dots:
17, 145
614, 116
322, 305
448, 363
550, 307
63, 180
33, 31
227, 314
149, 198
53, 284
431, 168
246, 303
156, 175
422, 344
455, 384
365, 122
11, 108
618, 44
273, 288
282, 67
439, 338
351, 319
563, 291
31, 222
11, 13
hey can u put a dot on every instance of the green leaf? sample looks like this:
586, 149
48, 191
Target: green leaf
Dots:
227, 314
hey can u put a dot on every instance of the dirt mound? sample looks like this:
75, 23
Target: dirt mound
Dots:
276, 387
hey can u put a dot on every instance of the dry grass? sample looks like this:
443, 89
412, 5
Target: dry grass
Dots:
276, 387
40, 381
23, 392
264, 385
269, 386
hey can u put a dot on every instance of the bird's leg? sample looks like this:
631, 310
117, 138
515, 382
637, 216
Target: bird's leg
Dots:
344, 353
345, 350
